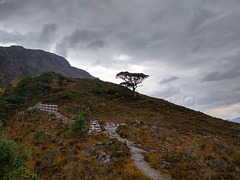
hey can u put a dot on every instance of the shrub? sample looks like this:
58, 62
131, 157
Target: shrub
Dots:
47, 77
27, 126
12, 159
14, 99
22, 173
86, 113
61, 78
42, 136
90, 105
97, 87
57, 97
112, 90
67, 94
49, 156
69, 109
78, 127
30, 88
83, 92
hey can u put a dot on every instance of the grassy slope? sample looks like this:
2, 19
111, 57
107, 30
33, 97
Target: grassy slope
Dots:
178, 141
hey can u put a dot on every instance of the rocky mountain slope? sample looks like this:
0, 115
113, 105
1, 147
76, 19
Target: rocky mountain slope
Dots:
178, 142
17, 62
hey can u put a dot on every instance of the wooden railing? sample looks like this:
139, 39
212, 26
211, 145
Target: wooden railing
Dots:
43, 107
49, 108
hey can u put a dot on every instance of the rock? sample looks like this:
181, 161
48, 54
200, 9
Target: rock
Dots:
122, 124
106, 159
99, 143
94, 128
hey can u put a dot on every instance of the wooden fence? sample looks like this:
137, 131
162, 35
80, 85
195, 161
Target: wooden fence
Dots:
49, 108
43, 107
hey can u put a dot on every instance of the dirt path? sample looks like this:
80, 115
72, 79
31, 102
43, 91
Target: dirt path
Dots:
136, 154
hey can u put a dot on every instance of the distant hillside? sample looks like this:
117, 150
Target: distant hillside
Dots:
236, 120
17, 62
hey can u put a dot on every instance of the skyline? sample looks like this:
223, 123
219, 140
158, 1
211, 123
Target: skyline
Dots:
190, 50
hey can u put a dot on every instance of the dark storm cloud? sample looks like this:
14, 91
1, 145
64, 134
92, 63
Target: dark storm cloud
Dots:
168, 80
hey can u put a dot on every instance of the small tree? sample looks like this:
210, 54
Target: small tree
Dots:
13, 159
78, 127
132, 80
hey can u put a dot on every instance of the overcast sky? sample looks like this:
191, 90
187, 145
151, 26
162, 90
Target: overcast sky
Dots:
190, 48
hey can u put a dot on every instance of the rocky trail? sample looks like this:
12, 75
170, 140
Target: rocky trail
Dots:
136, 154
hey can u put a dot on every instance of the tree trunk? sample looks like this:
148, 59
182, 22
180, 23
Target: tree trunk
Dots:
134, 93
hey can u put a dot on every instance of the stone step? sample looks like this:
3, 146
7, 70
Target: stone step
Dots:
94, 128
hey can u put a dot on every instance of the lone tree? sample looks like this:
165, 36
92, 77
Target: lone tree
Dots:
131, 80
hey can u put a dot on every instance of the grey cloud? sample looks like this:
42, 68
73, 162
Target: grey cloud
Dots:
17, 38
168, 80
81, 36
61, 49
9, 8
7, 37
31, 39
218, 76
47, 32
167, 91
96, 44
83, 39
215, 97
200, 17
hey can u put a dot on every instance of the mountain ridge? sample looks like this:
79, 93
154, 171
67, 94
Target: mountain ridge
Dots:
17, 62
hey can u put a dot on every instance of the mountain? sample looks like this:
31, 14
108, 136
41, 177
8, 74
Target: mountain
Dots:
175, 141
16, 62
236, 120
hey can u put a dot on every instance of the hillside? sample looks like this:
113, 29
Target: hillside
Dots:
178, 142
17, 62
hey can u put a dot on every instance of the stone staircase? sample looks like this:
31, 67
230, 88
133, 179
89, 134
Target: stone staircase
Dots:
94, 128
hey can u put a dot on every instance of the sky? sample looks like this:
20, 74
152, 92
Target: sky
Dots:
189, 48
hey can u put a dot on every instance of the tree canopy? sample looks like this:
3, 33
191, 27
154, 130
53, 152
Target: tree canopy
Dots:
131, 80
